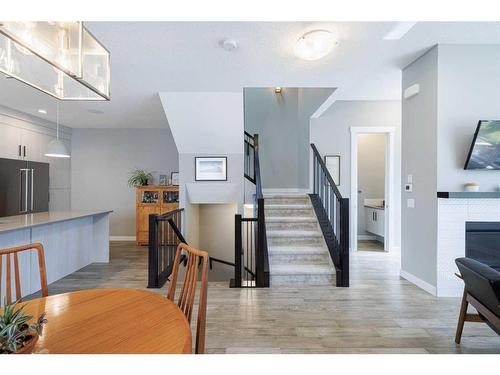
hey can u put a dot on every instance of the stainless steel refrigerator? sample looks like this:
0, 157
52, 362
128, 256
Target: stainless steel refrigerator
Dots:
24, 187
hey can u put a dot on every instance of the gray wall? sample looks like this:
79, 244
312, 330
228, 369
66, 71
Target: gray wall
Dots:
100, 165
331, 135
371, 173
282, 122
469, 90
419, 158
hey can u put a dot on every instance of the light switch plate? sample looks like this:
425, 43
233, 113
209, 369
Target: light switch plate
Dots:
410, 179
408, 188
410, 203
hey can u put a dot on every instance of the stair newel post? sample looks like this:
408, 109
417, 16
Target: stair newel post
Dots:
153, 281
259, 249
238, 251
344, 241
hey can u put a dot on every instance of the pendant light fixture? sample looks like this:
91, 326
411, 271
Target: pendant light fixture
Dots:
56, 148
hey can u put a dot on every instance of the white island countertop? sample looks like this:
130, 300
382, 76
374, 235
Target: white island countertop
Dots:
10, 223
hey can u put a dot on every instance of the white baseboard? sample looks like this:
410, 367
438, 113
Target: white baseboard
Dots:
122, 238
418, 282
366, 237
285, 191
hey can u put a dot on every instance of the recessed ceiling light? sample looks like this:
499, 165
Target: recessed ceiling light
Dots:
399, 30
315, 44
42, 111
96, 111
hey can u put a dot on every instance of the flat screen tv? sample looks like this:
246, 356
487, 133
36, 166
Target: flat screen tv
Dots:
484, 153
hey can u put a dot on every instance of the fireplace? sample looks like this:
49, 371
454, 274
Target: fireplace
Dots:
482, 242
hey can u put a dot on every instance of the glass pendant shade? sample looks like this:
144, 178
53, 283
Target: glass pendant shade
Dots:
57, 149
62, 59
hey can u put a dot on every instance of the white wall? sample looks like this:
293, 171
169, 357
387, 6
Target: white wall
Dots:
101, 163
282, 122
419, 158
459, 85
35, 133
331, 135
371, 173
208, 124
469, 91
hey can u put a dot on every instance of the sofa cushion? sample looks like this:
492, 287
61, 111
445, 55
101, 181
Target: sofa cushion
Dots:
482, 282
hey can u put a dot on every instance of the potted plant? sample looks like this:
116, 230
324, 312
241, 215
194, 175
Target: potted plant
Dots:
16, 335
139, 177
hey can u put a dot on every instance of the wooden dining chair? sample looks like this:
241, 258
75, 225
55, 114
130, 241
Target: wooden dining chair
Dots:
12, 253
188, 290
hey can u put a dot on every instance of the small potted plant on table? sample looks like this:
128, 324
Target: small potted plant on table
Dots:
139, 177
17, 336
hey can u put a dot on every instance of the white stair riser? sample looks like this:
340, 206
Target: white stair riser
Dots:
299, 280
297, 241
298, 258
292, 225
283, 212
288, 200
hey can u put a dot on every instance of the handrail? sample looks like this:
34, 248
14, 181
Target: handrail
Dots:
326, 171
332, 211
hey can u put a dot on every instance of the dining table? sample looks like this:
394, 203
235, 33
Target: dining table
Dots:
110, 321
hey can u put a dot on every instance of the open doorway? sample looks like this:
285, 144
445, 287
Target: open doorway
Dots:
372, 185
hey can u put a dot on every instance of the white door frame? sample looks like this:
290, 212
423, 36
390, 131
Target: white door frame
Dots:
389, 183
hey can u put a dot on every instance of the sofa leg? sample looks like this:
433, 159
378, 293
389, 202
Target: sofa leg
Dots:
461, 317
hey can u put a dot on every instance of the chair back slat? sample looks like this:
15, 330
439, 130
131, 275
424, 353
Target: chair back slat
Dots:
13, 253
188, 289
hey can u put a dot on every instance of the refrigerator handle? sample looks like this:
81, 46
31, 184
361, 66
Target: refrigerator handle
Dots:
32, 179
23, 208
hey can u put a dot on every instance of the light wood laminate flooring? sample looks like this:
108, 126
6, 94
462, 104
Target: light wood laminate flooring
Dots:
379, 313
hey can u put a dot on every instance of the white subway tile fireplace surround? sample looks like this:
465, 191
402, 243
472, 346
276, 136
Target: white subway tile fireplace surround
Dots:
452, 215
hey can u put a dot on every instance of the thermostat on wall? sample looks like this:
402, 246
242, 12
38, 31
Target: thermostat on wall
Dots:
408, 188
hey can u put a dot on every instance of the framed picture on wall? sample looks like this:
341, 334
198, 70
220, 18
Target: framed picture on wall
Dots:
174, 178
332, 163
210, 168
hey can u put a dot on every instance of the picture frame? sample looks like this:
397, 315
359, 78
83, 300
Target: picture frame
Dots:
332, 163
174, 178
163, 180
210, 168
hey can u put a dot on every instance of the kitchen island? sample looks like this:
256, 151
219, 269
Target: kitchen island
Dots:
71, 240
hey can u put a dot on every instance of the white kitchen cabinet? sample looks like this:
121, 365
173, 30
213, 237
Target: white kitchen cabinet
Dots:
375, 221
10, 140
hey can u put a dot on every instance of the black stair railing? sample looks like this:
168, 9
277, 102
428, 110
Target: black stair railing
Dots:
165, 234
250, 250
332, 211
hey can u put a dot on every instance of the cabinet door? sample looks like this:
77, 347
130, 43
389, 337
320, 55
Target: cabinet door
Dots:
380, 223
32, 141
370, 220
10, 139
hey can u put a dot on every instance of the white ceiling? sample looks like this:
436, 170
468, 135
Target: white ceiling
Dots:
152, 57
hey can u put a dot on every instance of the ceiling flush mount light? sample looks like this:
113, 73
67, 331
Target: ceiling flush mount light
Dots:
56, 148
62, 59
399, 30
315, 44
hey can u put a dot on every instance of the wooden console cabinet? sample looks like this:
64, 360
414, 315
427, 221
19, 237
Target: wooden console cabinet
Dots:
153, 199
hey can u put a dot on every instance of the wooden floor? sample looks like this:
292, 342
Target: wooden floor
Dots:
379, 313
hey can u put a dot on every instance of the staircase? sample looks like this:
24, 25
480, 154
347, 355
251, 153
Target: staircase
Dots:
297, 251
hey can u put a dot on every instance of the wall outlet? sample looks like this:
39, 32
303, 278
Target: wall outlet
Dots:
408, 188
410, 203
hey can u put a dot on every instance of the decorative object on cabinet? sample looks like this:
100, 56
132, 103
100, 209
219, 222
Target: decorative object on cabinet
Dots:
163, 180
471, 186
61, 59
332, 163
213, 168
153, 199
174, 178
139, 177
